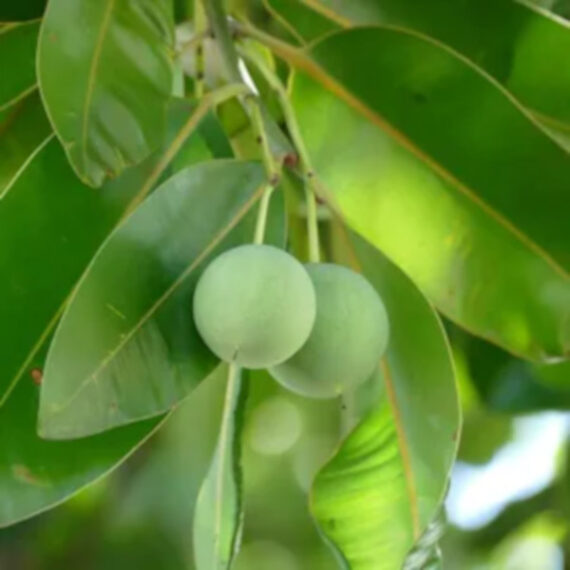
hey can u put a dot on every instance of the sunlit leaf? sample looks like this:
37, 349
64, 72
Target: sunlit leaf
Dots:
377, 495
439, 168
107, 96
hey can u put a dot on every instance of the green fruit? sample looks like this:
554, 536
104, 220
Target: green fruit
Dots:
349, 337
254, 305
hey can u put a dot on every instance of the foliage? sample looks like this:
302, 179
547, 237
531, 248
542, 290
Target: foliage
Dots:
423, 145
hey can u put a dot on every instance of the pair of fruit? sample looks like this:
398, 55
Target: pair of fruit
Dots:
320, 329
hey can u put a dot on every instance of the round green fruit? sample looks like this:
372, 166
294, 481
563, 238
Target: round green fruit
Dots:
348, 339
254, 305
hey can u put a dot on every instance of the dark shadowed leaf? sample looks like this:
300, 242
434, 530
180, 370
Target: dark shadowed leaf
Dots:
50, 227
379, 493
17, 61
126, 347
107, 96
439, 168
509, 385
218, 516
24, 128
22, 10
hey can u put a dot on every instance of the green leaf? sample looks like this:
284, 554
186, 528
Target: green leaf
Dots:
218, 516
447, 175
17, 61
126, 347
50, 220
509, 40
23, 10
36, 475
107, 96
24, 129
377, 495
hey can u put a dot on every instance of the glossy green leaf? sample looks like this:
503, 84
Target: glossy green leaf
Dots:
126, 347
35, 474
510, 40
24, 128
50, 220
21, 11
17, 61
107, 96
218, 516
448, 176
378, 494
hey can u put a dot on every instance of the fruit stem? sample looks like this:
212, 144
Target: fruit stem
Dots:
199, 32
295, 132
261, 221
272, 167
218, 21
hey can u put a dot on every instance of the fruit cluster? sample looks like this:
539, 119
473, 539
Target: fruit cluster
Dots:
320, 329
